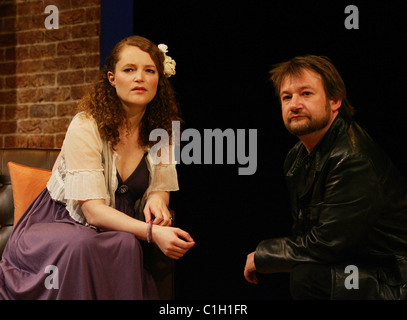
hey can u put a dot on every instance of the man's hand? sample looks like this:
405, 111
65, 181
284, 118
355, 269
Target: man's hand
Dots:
250, 269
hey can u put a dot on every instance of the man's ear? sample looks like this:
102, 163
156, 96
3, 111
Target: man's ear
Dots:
335, 103
111, 78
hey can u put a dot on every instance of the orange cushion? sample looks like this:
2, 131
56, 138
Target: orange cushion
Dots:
27, 184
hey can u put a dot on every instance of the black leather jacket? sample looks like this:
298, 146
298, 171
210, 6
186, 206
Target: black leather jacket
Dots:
349, 205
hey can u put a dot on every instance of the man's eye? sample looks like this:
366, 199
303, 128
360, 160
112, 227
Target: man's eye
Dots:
284, 98
128, 70
307, 93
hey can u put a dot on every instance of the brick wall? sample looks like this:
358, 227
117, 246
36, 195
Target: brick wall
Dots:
43, 72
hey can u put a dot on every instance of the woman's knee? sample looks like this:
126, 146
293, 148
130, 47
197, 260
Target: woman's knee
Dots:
128, 242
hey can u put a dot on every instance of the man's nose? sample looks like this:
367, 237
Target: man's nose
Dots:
295, 102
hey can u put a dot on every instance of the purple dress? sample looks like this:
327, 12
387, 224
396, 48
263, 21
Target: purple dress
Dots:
50, 256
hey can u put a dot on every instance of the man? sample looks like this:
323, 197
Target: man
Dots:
349, 203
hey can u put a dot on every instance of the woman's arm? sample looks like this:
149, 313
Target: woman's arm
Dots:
173, 242
98, 214
164, 179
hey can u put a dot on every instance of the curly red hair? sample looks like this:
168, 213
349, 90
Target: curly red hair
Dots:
103, 104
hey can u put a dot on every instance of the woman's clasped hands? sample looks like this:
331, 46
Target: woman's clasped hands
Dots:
173, 242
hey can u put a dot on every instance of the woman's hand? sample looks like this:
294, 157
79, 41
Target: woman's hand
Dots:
157, 206
173, 242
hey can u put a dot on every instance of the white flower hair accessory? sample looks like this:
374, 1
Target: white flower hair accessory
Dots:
169, 63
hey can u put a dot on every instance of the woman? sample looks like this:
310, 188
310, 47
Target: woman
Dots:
84, 223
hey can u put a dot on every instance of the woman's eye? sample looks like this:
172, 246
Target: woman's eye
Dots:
285, 98
150, 70
128, 70
307, 93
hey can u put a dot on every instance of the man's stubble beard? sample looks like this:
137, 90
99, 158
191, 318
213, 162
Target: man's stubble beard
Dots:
311, 124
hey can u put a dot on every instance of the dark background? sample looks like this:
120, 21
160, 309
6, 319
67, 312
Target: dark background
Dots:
224, 51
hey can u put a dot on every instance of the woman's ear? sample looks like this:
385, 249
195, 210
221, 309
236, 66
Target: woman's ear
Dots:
111, 78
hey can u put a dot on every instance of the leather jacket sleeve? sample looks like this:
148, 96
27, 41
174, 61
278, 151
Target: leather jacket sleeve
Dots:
345, 202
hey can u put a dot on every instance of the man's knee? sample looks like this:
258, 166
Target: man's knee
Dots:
310, 281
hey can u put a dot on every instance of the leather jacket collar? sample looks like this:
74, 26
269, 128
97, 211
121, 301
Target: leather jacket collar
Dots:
320, 153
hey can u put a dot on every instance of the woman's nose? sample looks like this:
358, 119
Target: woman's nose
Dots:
138, 77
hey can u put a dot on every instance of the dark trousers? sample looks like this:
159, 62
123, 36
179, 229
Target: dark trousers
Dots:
310, 281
